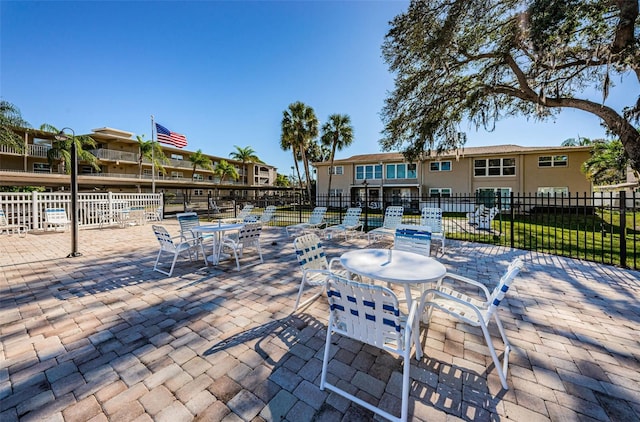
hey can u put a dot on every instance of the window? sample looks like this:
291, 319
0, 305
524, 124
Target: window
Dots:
369, 172
440, 192
40, 141
440, 166
553, 191
41, 168
553, 161
336, 170
88, 170
177, 157
489, 196
176, 175
198, 192
198, 176
494, 167
335, 192
401, 171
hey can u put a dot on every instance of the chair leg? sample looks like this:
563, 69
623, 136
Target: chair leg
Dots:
406, 382
325, 358
309, 300
259, 252
494, 356
173, 263
507, 346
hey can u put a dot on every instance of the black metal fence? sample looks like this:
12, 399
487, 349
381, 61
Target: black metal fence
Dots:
599, 227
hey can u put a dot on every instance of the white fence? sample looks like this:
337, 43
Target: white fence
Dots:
27, 208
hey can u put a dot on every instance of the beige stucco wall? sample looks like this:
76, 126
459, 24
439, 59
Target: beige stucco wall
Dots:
569, 176
528, 176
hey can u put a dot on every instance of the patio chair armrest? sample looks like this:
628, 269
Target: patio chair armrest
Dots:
466, 280
447, 296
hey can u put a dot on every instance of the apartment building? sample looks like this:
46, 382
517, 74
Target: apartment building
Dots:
118, 155
475, 171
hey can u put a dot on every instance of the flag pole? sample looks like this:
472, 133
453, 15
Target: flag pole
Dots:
153, 156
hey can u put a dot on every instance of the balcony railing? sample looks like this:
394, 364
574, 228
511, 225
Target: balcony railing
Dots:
113, 155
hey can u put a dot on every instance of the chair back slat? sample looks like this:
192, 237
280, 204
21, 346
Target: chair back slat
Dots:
365, 312
432, 217
310, 252
164, 238
413, 238
250, 233
187, 221
393, 217
245, 211
352, 217
317, 215
268, 214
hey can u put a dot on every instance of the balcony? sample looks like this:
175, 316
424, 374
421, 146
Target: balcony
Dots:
113, 155
32, 150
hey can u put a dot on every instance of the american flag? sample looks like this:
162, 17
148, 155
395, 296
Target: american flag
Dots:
167, 137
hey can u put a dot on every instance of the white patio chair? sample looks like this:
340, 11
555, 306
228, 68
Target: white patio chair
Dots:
188, 221
369, 314
213, 207
486, 217
472, 311
392, 218
350, 224
473, 216
56, 217
248, 237
5, 226
314, 264
432, 217
242, 216
268, 215
168, 246
316, 221
153, 213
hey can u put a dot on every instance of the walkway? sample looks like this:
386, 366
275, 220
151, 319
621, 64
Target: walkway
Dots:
103, 337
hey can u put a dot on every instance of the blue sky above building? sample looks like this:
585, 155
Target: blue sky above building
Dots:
222, 72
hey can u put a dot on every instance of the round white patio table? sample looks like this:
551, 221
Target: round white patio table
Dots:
394, 266
217, 230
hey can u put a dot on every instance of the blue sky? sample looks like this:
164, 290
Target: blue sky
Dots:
222, 72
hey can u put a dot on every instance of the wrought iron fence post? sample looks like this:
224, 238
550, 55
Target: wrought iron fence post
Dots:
512, 231
623, 229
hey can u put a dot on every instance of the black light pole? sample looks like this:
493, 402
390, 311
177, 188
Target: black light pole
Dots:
61, 136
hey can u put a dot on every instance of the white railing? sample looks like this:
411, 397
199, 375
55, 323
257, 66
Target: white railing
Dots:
39, 150
27, 208
113, 155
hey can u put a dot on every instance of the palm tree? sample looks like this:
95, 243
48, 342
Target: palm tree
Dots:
282, 180
299, 128
337, 134
607, 164
223, 169
246, 155
198, 159
580, 142
150, 151
317, 153
10, 117
60, 151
